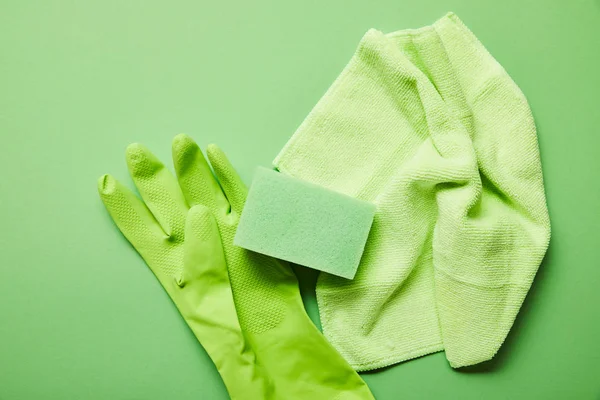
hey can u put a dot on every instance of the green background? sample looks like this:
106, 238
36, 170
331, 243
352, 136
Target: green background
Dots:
81, 317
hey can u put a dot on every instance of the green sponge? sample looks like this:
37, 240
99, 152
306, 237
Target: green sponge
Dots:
304, 223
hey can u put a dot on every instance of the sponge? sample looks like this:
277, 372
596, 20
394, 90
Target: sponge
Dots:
304, 223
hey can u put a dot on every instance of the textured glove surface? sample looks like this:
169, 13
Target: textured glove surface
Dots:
244, 308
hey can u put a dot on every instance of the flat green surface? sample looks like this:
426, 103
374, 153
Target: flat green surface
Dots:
81, 317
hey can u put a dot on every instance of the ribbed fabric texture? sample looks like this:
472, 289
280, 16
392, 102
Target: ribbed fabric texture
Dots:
427, 125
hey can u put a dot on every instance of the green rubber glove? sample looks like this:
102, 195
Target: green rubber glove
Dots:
244, 308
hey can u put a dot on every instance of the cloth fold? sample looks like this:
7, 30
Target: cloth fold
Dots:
426, 124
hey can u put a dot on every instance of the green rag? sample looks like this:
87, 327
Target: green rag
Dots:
244, 308
426, 124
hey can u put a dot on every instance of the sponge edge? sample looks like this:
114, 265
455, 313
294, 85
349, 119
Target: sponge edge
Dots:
304, 223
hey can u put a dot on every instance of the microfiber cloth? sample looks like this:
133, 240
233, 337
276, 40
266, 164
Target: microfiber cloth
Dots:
304, 223
426, 124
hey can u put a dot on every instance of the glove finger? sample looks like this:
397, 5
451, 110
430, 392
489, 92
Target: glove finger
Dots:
130, 215
206, 280
204, 257
235, 190
159, 189
197, 181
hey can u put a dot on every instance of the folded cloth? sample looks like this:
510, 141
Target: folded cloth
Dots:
427, 124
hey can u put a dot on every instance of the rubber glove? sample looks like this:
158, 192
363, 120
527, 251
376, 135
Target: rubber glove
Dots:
244, 308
